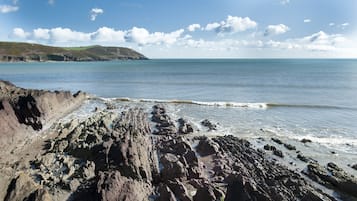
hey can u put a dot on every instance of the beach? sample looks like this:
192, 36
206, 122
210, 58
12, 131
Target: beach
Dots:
176, 130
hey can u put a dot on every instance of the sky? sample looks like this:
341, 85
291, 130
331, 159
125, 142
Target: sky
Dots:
189, 29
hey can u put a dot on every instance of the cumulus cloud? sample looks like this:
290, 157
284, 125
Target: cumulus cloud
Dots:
319, 41
105, 34
8, 8
231, 25
331, 24
95, 12
41, 34
20, 33
307, 20
193, 27
65, 35
141, 36
276, 29
60, 35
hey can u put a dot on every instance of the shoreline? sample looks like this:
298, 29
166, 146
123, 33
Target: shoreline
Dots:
167, 159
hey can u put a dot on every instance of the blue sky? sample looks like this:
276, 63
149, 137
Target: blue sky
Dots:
189, 29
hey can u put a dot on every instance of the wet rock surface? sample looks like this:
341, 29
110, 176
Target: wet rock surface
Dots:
115, 156
164, 126
211, 126
332, 177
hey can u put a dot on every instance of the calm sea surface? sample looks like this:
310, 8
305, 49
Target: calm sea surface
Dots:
290, 98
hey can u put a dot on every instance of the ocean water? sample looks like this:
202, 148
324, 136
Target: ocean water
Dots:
290, 99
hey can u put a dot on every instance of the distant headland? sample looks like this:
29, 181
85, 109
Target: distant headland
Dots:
29, 52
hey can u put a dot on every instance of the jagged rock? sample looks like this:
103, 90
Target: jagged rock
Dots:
276, 140
172, 167
302, 158
304, 140
184, 127
209, 125
289, 146
110, 106
40, 195
165, 193
179, 190
205, 194
74, 184
112, 186
354, 166
164, 124
255, 178
332, 177
23, 188
23, 110
269, 147
207, 147
279, 153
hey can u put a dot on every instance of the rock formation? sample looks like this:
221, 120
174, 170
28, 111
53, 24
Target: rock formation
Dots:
23, 111
117, 156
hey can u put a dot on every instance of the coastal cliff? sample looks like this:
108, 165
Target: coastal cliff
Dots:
27, 52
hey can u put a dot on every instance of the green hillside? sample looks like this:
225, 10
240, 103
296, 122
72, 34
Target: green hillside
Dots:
14, 52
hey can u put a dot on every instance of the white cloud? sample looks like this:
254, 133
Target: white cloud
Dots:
284, 2
95, 12
307, 20
8, 8
276, 29
193, 27
232, 24
319, 41
65, 35
331, 24
105, 34
20, 33
51, 2
142, 36
41, 34
212, 26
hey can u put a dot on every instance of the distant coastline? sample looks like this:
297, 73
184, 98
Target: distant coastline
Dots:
28, 52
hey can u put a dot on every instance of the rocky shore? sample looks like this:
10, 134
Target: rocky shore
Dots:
133, 154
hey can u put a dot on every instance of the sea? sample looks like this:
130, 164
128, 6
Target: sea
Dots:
255, 99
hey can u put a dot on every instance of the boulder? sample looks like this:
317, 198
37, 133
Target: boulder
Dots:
184, 127
209, 125
112, 186
172, 167
165, 193
207, 147
304, 140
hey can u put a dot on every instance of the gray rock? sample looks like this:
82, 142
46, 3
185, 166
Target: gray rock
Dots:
278, 153
172, 167
207, 147
184, 127
305, 140
209, 125
332, 177
165, 193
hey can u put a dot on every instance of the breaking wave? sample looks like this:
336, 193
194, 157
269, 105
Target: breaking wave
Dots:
226, 104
